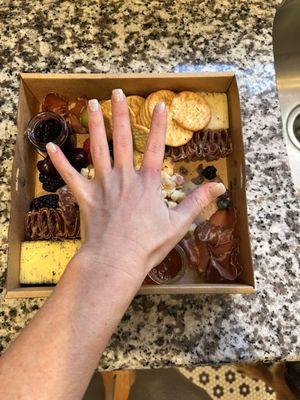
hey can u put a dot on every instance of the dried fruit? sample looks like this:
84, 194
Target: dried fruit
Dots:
46, 201
210, 172
51, 184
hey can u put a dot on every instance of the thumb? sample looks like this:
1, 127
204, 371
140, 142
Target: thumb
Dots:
186, 212
69, 174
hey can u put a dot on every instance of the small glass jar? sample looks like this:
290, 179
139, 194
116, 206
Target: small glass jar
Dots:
171, 269
47, 127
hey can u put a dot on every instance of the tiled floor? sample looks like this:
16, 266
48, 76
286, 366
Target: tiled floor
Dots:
227, 383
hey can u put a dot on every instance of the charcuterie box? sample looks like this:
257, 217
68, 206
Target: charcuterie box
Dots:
231, 168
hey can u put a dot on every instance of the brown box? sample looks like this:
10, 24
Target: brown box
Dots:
33, 87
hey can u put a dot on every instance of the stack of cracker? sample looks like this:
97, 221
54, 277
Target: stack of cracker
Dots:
197, 123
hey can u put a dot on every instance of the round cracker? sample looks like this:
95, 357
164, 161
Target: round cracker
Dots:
190, 110
137, 159
165, 96
140, 136
106, 108
107, 117
143, 118
176, 135
135, 103
146, 116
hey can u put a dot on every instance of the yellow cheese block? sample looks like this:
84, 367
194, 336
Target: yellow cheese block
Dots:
219, 110
43, 262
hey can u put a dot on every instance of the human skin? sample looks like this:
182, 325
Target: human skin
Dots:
128, 229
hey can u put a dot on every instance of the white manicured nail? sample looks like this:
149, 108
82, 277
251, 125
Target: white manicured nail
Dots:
94, 105
118, 95
217, 189
51, 147
160, 107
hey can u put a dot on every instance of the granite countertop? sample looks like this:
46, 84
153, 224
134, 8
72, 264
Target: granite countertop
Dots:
174, 36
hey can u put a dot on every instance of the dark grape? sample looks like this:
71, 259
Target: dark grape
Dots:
47, 168
78, 158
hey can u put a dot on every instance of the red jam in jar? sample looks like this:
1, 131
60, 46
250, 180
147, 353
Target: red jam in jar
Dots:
47, 127
171, 268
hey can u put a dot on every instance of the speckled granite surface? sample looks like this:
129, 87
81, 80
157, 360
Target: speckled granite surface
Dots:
174, 35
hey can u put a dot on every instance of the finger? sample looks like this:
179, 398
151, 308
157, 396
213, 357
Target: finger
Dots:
122, 138
99, 146
155, 149
69, 174
185, 213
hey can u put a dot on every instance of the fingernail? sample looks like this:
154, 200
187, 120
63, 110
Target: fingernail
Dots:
51, 147
94, 105
216, 189
117, 95
160, 107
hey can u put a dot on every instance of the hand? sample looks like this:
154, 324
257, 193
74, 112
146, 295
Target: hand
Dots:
126, 222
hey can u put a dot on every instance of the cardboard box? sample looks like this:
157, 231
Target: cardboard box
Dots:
33, 87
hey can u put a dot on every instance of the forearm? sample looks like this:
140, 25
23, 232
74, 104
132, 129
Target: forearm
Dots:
62, 345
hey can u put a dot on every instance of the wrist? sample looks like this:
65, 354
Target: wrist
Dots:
117, 262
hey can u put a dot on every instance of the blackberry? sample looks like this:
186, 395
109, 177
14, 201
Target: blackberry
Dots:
209, 172
51, 184
46, 201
